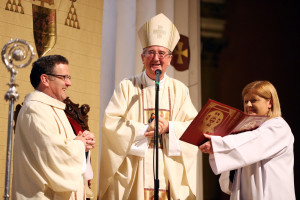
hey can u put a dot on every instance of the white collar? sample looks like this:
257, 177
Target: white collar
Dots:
37, 95
150, 82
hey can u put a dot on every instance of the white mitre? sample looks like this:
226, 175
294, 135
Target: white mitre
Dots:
160, 31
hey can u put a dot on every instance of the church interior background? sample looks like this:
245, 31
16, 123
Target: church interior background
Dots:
232, 42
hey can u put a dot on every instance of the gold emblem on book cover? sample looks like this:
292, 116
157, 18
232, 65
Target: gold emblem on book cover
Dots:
211, 120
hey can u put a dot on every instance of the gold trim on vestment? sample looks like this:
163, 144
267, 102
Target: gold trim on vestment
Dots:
60, 122
149, 194
164, 194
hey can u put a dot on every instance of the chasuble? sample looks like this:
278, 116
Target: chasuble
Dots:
126, 169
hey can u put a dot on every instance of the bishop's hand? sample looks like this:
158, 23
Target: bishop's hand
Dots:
163, 126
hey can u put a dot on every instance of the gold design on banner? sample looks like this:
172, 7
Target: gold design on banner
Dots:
181, 54
14, 7
71, 19
149, 194
44, 29
50, 2
178, 51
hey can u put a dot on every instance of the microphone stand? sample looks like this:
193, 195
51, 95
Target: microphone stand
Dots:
156, 179
13, 54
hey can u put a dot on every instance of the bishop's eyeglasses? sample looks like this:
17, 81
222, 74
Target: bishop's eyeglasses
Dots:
160, 54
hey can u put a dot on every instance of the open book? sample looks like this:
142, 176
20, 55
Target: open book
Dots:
219, 119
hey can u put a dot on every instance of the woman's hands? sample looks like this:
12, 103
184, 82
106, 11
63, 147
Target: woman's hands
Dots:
207, 146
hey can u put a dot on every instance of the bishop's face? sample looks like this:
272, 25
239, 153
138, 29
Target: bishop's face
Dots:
156, 57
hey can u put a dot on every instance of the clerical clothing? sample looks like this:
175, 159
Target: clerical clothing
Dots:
126, 169
264, 159
48, 164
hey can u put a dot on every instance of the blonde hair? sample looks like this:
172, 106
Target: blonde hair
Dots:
266, 90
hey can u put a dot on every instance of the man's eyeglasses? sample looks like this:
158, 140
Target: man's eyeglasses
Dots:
160, 54
63, 77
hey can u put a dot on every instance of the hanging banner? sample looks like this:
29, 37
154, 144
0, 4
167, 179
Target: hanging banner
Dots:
181, 54
44, 28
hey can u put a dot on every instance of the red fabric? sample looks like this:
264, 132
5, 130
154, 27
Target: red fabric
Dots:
75, 125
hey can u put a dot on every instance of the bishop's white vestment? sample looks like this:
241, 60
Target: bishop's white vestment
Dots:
126, 169
48, 164
264, 159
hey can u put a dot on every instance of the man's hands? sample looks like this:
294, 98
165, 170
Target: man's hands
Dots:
207, 147
87, 138
163, 127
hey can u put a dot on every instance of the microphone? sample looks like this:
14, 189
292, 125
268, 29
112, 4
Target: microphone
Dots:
156, 137
157, 73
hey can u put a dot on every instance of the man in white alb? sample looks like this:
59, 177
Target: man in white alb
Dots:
49, 160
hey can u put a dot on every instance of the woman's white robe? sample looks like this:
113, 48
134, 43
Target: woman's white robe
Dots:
264, 159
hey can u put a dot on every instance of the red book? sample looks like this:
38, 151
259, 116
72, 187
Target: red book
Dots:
219, 119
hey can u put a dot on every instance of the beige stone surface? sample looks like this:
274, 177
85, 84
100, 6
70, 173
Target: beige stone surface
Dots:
82, 47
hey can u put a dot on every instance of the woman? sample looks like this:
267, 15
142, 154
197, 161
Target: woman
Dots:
263, 158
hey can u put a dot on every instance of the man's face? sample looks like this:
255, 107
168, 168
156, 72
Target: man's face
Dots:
156, 57
58, 84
